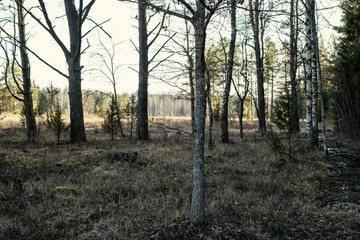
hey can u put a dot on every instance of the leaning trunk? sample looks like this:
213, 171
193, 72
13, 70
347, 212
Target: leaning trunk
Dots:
224, 136
25, 66
198, 192
142, 132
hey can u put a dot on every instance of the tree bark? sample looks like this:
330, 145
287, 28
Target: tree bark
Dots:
224, 136
77, 126
25, 67
198, 192
308, 75
142, 131
211, 114
314, 77
254, 18
294, 113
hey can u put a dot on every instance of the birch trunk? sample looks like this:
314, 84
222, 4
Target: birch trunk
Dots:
321, 98
314, 77
308, 75
224, 136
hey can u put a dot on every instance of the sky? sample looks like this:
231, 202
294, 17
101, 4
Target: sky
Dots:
122, 28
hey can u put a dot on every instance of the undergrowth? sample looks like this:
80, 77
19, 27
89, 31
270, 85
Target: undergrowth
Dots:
99, 190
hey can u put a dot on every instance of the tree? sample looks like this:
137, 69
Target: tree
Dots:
75, 18
257, 23
111, 122
110, 72
229, 75
271, 63
311, 75
142, 129
199, 14
55, 122
346, 81
23, 85
294, 32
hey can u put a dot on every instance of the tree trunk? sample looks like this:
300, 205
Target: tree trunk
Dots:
254, 17
211, 114
241, 114
198, 192
142, 131
224, 136
77, 126
321, 96
294, 113
25, 67
308, 75
314, 77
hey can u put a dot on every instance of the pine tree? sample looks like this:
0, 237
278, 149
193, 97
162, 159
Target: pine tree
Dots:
111, 122
55, 122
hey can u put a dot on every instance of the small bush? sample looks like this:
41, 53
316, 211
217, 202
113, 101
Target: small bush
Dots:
55, 122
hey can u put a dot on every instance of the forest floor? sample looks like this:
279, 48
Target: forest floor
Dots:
128, 189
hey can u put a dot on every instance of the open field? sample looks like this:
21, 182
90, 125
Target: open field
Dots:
128, 189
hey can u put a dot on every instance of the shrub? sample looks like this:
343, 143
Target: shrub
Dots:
55, 122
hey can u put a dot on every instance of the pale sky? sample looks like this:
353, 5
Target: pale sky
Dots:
121, 27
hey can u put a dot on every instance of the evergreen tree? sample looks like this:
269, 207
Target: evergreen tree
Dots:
347, 72
111, 122
55, 122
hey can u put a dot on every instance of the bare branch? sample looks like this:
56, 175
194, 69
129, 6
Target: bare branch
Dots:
99, 26
86, 11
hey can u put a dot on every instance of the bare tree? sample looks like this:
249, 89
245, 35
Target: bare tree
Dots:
76, 17
224, 136
110, 72
258, 31
199, 14
23, 85
294, 33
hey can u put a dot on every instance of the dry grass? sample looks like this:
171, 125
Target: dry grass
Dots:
127, 189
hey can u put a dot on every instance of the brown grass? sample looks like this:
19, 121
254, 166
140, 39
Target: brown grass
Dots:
97, 190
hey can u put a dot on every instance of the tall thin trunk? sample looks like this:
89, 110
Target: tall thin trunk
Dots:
254, 17
224, 136
191, 77
25, 67
77, 131
321, 97
294, 113
241, 114
272, 93
211, 114
314, 77
198, 192
308, 75
142, 131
